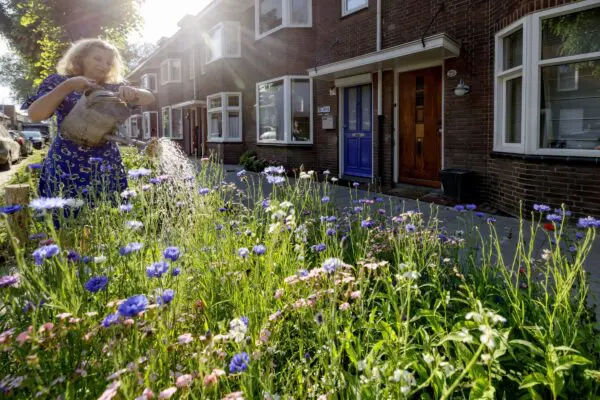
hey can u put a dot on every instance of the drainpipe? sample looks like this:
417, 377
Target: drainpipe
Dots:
380, 117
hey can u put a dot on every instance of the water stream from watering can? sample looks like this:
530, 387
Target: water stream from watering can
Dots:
172, 161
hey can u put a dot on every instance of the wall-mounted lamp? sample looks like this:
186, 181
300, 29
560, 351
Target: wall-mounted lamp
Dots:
462, 89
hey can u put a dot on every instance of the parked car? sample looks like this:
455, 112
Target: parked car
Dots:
9, 149
35, 137
42, 128
25, 144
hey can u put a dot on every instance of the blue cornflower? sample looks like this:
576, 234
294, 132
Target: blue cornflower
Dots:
155, 181
222, 209
410, 227
8, 280
579, 235
266, 203
111, 319
219, 227
274, 170
459, 207
381, 211
106, 168
480, 214
172, 253
572, 249
541, 208
319, 247
10, 209
239, 363
588, 222
331, 264
358, 210
330, 232
243, 252
443, 238
355, 184
332, 218
87, 259
368, 223
471, 207
96, 283
554, 218
245, 320
95, 160
175, 271
125, 207
275, 180
73, 256
136, 173
259, 249
45, 252
491, 220
325, 199
133, 305
241, 173
204, 191
34, 166
379, 199
157, 269
166, 296
130, 248
302, 272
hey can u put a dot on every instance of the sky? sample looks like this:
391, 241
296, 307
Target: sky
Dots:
160, 19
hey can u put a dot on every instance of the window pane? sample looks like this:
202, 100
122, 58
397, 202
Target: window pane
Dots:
300, 110
233, 118
177, 126
352, 115
299, 12
215, 126
145, 124
152, 83
513, 50
570, 119
166, 123
270, 16
514, 99
231, 46
214, 44
214, 102
271, 112
366, 107
233, 101
175, 70
567, 35
353, 4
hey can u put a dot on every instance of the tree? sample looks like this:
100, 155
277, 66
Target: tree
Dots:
134, 53
13, 73
39, 31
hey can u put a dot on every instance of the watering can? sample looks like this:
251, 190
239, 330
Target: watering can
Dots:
94, 119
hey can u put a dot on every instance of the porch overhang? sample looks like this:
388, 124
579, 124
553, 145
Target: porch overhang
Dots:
189, 103
435, 47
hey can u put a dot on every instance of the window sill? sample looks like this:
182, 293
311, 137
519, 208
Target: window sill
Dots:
551, 159
258, 36
354, 11
167, 82
284, 144
223, 58
224, 141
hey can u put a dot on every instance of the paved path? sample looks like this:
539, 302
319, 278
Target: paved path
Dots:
507, 227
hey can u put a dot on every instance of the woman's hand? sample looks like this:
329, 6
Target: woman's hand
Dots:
80, 83
128, 94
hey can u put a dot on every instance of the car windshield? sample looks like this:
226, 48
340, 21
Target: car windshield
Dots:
32, 134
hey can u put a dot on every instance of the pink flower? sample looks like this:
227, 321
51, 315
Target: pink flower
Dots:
24, 336
47, 327
63, 316
184, 381
275, 316
185, 338
6, 335
355, 295
344, 306
167, 393
128, 322
111, 391
234, 396
264, 335
278, 293
210, 380
218, 372
147, 394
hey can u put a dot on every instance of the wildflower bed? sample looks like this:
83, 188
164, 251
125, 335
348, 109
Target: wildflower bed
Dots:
198, 288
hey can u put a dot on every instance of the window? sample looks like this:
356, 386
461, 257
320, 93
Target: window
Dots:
148, 82
170, 71
547, 93
149, 124
166, 122
224, 117
176, 123
223, 41
133, 130
284, 113
272, 15
350, 6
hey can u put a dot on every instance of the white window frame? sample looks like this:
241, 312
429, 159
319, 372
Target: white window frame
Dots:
147, 116
145, 82
348, 11
220, 54
176, 135
287, 111
162, 123
531, 75
130, 122
224, 111
286, 17
169, 62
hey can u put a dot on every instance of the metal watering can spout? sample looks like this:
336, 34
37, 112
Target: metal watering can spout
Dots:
95, 117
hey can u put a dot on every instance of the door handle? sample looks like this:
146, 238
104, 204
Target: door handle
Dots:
358, 135
419, 147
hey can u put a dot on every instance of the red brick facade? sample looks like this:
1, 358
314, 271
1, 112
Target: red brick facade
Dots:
468, 121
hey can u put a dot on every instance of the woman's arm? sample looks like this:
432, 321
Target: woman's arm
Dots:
43, 107
136, 96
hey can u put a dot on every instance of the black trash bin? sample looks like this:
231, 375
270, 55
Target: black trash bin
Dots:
459, 184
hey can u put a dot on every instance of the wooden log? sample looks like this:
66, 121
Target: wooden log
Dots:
18, 222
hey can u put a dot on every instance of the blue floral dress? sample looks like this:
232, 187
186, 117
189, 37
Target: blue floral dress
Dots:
71, 170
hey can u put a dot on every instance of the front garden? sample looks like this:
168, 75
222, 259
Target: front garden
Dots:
197, 288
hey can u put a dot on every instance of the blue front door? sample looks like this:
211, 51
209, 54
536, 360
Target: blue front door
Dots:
358, 131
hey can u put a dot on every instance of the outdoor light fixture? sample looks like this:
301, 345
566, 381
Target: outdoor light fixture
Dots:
462, 89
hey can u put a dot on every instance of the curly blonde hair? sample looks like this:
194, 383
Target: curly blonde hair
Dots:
72, 62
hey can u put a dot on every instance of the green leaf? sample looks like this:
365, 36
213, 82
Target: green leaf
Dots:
533, 379
566, 362
482, 390
533, 348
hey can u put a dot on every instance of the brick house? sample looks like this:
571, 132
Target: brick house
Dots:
392, 92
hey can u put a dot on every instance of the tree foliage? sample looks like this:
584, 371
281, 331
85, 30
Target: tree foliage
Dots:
39, 31
13, 73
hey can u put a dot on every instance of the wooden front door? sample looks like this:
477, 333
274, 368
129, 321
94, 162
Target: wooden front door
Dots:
420, 126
